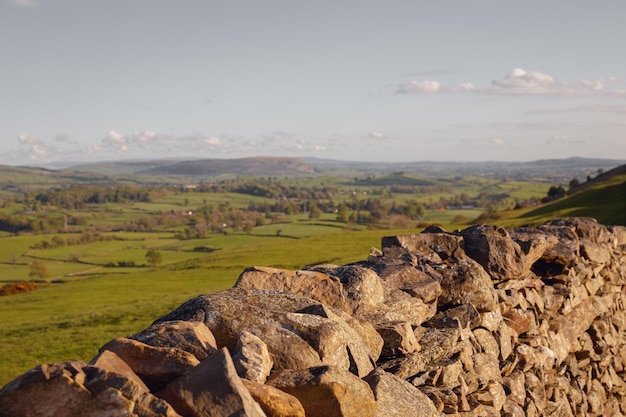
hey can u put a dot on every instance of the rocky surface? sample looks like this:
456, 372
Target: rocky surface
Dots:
482, 322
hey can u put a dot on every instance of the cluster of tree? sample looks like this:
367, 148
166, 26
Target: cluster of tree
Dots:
71, 240
78, 197
18, 223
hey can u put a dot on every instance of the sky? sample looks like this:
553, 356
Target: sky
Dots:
389, 81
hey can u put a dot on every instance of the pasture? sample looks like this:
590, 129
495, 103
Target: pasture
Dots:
82, 306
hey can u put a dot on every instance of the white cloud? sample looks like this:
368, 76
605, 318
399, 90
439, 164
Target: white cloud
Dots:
26, 139
517, 82
522, 82
319, 148
116, 140
376, 135
93, 150
497, 141
30, 4
212, 141
37, 152
143, 136
431, 87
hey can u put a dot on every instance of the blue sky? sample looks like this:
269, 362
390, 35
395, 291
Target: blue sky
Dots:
392, 80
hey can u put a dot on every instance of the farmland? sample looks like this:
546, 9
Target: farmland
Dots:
108, 256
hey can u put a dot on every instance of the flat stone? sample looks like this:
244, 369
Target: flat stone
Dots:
274, 402
192, 337
328, 391
156, 366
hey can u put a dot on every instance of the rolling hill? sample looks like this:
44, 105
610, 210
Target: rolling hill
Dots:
603, 198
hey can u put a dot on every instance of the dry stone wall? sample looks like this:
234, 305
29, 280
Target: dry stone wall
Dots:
482, 322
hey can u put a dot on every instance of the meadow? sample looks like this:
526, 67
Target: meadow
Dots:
106, 287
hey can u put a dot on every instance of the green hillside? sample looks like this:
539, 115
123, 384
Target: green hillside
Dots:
603, 198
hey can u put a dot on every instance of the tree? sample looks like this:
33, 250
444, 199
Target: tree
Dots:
315, 212
38, 269
154, 257
556, 192
343, 213
574, 183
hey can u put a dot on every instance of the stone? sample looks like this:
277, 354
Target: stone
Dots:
252, 358
418, 281
274, 402
400, 306
532, 324
336, 342
327, 391
362, 286
263, 313
312, 284
212, 388
494, 250
464, 316
398, 398
192, 337
436, 344
46, 390
76, 389
156, 366
466, 282
431, 247
399, 339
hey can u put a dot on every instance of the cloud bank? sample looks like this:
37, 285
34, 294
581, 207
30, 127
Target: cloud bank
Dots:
152, 144
517, 82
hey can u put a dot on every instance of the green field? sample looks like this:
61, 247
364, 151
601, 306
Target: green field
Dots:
72, 319
99, 284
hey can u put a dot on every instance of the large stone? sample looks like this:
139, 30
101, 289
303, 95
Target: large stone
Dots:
75, 389
192, 337
47, 390
466, 282
533, 244
212, 388
251, 358
430, 247
418, 281
362, 286
336, 342
401, 306
270, 316
398, 398
494, 250
328, 391
274, 402
156, 366
312, 284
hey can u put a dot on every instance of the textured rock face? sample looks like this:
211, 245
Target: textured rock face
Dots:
483, 322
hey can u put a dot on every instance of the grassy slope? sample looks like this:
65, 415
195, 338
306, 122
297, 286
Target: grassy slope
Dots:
604, 200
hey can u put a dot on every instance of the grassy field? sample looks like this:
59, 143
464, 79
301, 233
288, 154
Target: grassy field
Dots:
92, 294
73, 318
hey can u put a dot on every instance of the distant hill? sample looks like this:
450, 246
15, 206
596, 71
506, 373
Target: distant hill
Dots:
11, 177
603, 197
124, 167
398, 179
556, 171
257, 166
